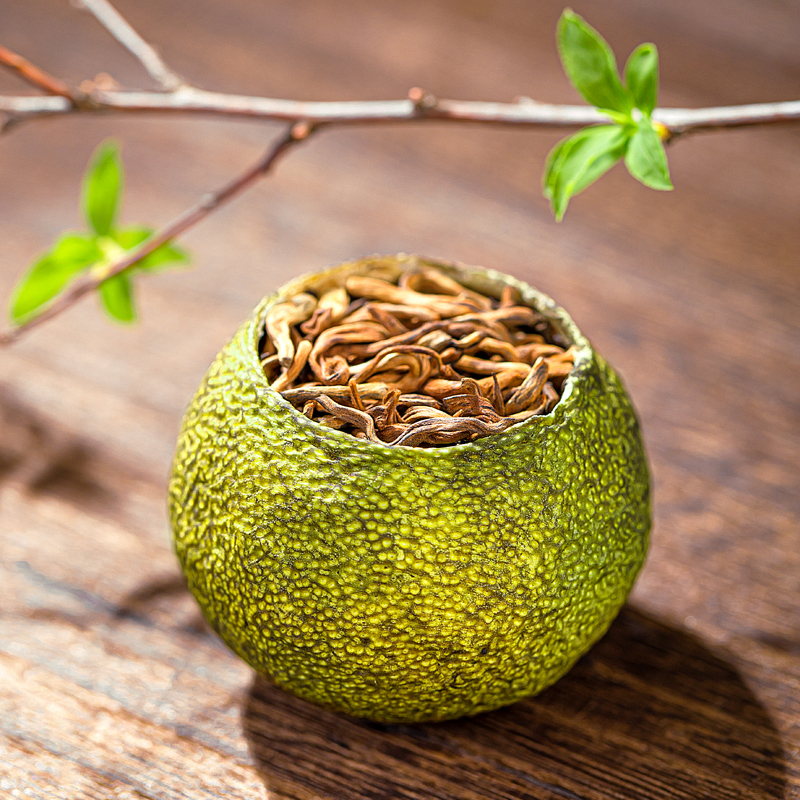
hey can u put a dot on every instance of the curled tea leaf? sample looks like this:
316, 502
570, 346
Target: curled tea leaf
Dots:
280, 319
423, 383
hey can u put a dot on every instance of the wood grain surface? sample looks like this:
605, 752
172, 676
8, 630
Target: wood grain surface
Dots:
111, 686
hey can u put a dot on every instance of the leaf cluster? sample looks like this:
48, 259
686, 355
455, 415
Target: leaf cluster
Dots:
94, 252
579, 160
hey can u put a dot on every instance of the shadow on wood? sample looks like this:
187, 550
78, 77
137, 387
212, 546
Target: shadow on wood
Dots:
46, 460
165, 601
648, 713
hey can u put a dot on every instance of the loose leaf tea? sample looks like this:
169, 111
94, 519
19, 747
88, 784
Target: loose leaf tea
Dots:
421, 362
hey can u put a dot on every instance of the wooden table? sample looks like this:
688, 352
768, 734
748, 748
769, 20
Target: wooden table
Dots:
110, 684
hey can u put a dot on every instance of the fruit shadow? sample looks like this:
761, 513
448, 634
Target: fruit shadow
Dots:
649, 712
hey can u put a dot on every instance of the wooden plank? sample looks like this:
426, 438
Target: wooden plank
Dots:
111, 685
95, 735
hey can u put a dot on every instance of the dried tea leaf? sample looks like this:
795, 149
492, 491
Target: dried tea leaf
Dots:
497, 396
437, 340
376, 289
448, 431
431, 281
419, 363
425, 362
405, 338
471, 340
270, 366
385, 414
298, 362
333, 371
530, 389
480, 366
496, 348
389, 321
510, 297
348, 334
416, 413
300, 394
331, 308
359, 419
506, 380
439, 388
355, 397
330, 421
413, 315
559, 369
530, 352
472, 405
551, 395
281, 317
418, 400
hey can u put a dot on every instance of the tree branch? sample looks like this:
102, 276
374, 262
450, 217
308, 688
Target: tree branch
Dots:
124, 33
190, 100
34, 75
686, 120
296, 134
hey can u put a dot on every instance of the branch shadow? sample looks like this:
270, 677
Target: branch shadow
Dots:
46, 460
164, 600
648, 713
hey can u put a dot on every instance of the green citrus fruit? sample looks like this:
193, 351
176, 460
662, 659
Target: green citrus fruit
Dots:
407, 583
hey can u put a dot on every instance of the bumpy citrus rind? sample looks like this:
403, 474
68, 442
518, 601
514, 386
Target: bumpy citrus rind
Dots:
408, 584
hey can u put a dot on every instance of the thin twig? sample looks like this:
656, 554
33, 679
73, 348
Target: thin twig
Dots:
122, 31
686, 120
190, 100
34, 75
296, 134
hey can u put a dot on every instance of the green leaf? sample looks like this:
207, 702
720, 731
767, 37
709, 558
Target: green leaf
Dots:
646, 159
641, 75
578, 161
116, 294
590, 65
129, 238
102, 188
166, 253
46, 278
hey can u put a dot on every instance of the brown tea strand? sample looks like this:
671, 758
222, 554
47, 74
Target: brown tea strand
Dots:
423, 362
385, 318
497, 396
359, 419
332, 307
286, 379
510, 297
428, 280
528, 392
280, 319
309, 391
377, 289
355, 397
